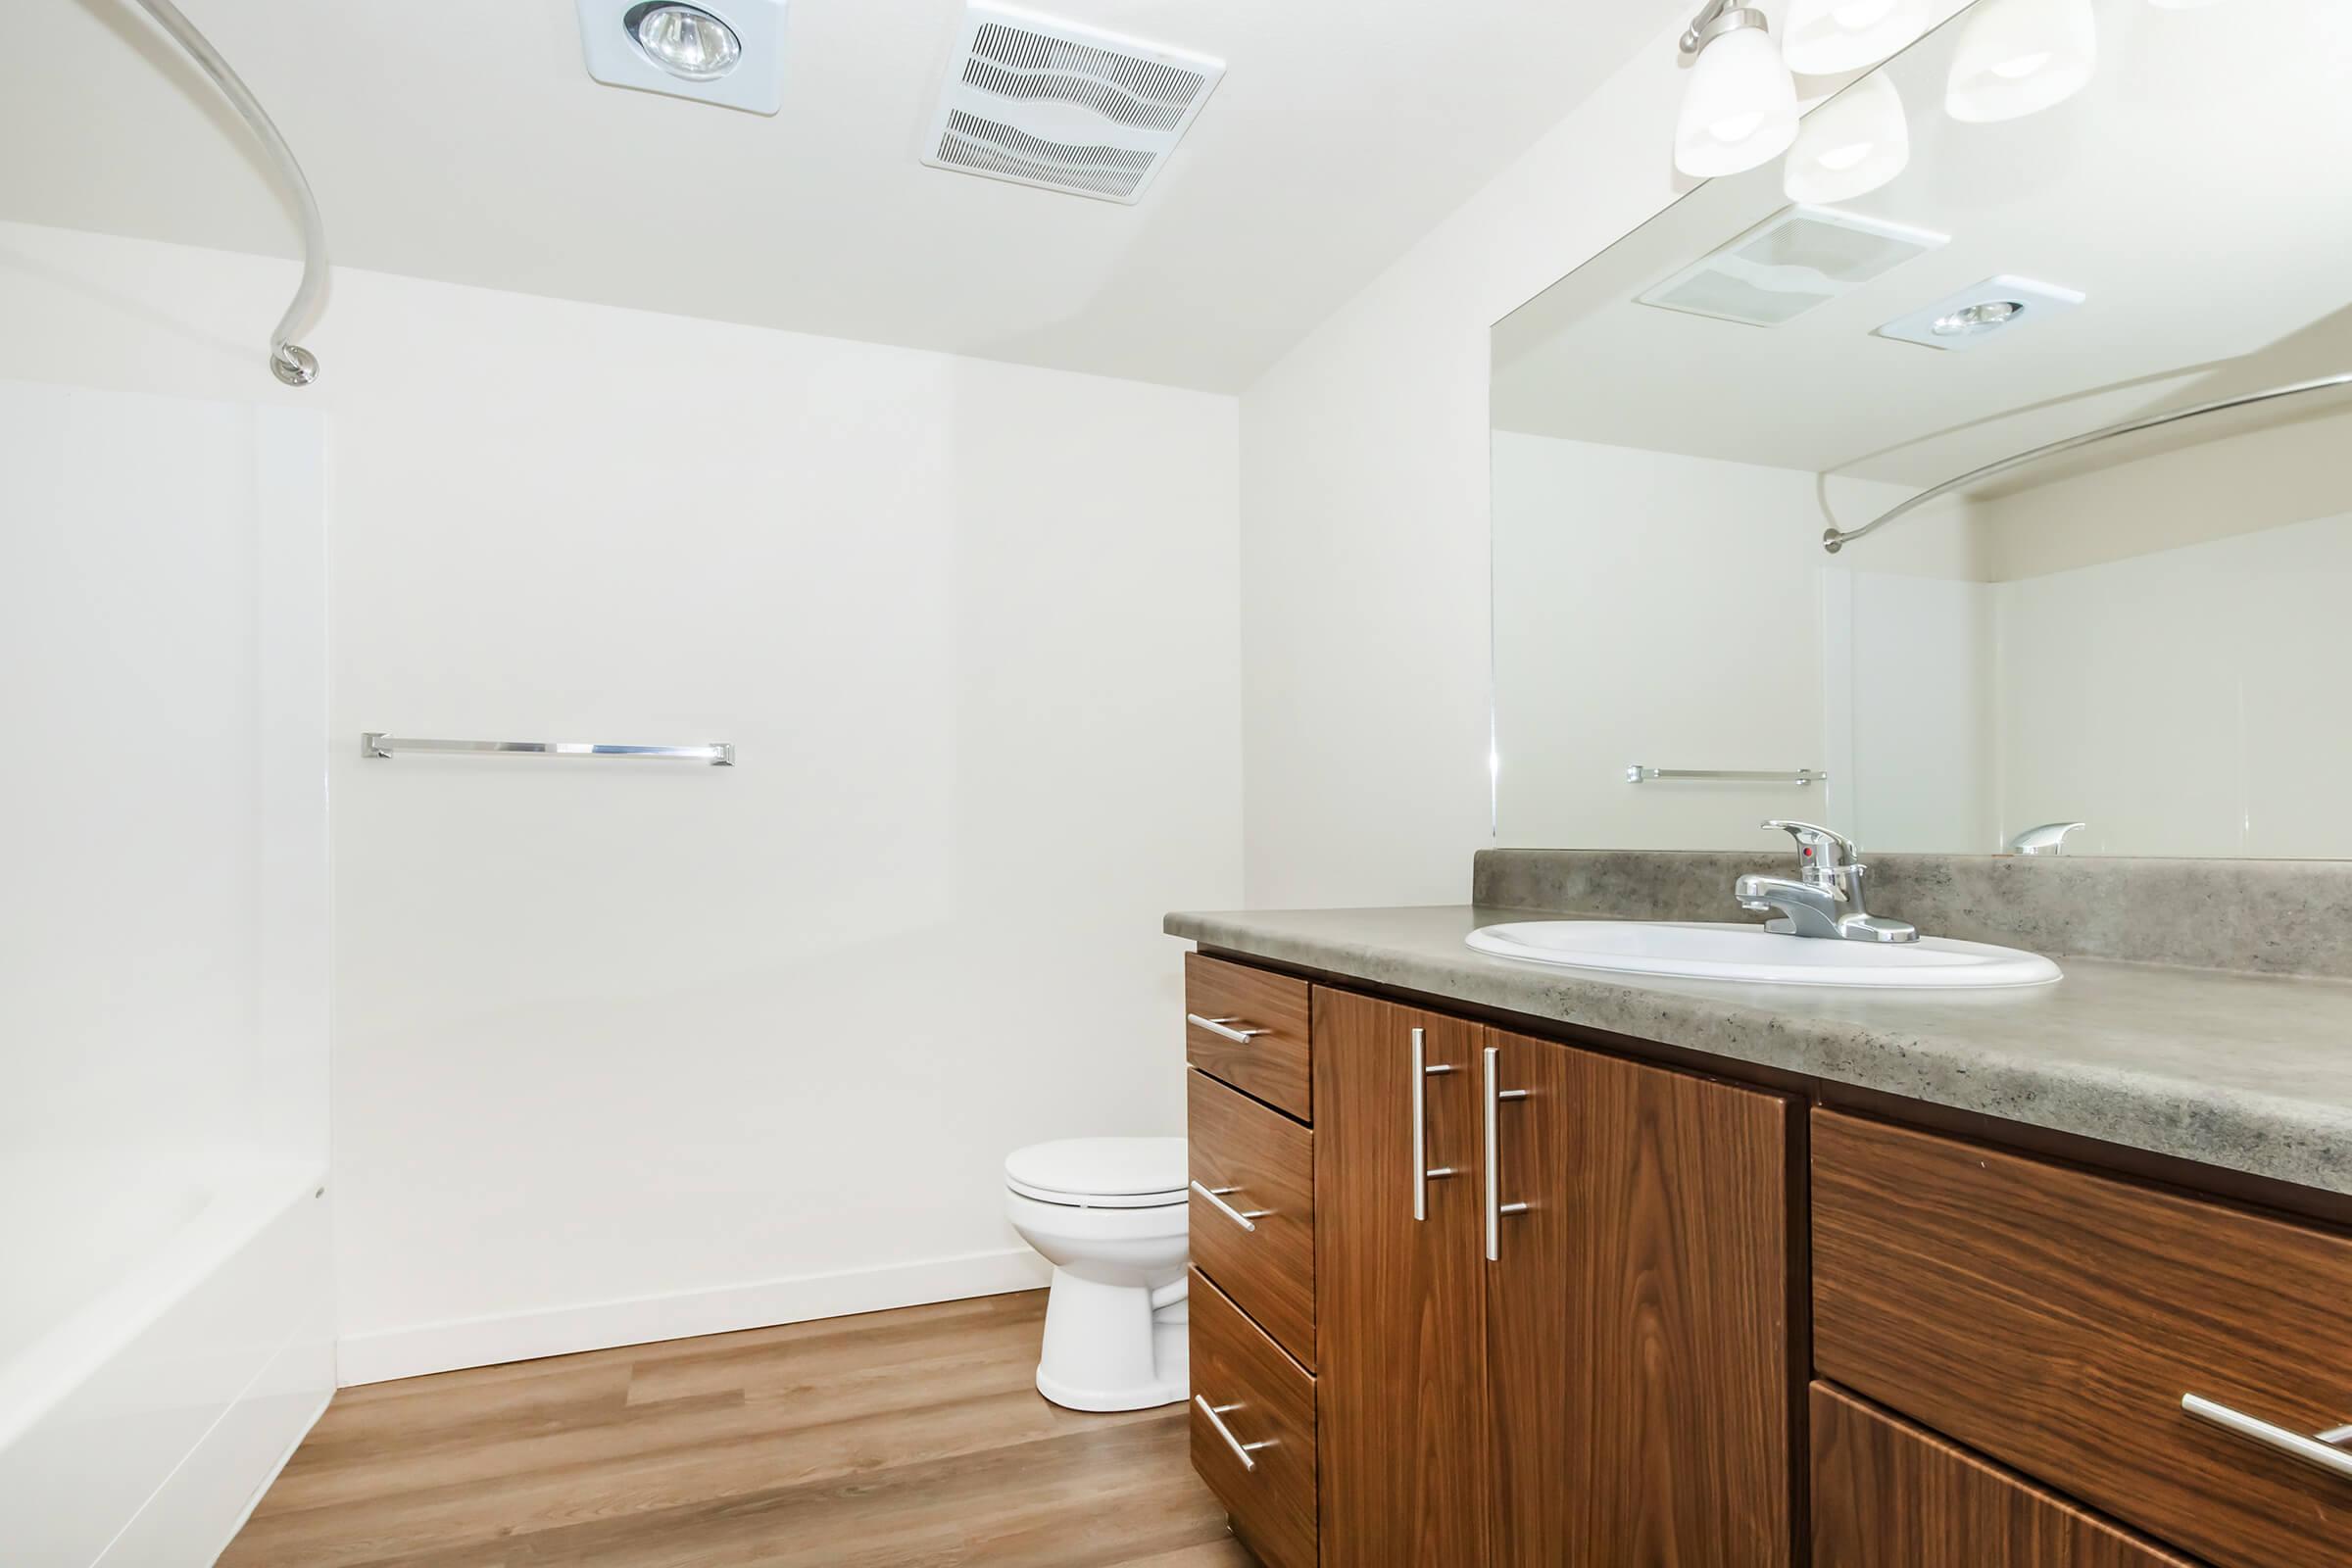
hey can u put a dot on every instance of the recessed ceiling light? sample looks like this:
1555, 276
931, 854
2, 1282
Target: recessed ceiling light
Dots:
1982, 317
686, 41
1996, 307
728, 52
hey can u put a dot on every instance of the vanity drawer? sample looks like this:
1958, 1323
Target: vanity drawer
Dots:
1886, 1494
1248, 1028
2053, 1319
1256, 1236
1253, 1430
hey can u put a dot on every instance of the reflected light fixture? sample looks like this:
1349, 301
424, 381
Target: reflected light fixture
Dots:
2019, 57
1824, 37
1740, 110
1853, 144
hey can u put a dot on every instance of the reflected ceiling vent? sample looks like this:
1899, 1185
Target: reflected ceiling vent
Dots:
1796, 259
1064, 107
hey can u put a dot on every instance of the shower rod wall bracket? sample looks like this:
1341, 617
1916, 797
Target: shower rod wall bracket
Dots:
1834, 540
289, 361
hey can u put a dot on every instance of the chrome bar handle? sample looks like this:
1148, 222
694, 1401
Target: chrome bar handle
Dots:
1223, 1028
1216, 1415
1423, 1174
1216, 1198
1495, 1207
2320, 1452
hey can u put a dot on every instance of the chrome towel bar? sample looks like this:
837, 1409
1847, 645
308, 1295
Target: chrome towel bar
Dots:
376, 742
1639, 774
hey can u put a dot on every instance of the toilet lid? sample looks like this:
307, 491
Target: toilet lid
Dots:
1102, 1172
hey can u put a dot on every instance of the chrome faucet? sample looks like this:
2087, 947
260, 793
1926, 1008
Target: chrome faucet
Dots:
2047, 839
1826, 897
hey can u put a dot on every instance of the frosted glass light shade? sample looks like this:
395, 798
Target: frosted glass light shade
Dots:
1854, 143
2019, 57
1740, 110
1823, 37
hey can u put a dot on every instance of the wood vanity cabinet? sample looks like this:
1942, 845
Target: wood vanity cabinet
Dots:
1510, 1300
2053, 1319
1639, 1365
1551, 1297
1400, 1312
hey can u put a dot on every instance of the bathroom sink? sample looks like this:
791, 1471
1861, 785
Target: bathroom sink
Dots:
1751, 954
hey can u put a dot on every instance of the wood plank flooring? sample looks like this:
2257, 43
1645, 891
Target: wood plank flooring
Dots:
892, 1440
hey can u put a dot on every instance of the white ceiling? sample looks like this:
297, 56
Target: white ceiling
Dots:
2196, 191
465, 141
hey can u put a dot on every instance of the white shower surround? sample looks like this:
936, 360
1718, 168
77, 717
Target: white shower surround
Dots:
167, 1336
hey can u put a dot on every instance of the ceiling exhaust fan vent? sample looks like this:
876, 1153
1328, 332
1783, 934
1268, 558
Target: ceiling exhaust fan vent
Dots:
1063, 108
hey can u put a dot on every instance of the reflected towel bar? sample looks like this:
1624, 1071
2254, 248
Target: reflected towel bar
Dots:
376, 742
1637, 774
1834, 540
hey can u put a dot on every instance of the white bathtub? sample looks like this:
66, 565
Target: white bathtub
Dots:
163, 1346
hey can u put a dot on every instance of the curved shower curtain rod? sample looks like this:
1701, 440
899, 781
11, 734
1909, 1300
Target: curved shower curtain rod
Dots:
289, 361
1834, 540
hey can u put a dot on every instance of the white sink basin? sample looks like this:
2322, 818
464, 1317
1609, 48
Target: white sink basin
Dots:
1750, 953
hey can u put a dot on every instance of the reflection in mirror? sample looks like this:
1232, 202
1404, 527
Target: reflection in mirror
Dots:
2146, 634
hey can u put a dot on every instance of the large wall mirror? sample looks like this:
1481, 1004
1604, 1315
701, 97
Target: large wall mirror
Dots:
2148, 634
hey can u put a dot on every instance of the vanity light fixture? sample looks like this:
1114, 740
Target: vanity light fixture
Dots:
1851, 145
728, 52
1740, 110
1825, 37
2019, 57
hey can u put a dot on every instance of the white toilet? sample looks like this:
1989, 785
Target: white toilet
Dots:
1108, 1214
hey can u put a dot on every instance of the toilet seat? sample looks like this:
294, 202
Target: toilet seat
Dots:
1101, 1172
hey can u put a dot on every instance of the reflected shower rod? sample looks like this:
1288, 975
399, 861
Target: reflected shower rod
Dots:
1834, 540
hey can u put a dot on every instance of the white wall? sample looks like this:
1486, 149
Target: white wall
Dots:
626, 1050
1911, 679
2142, 500
1657, 609
2188, 701
1365, 493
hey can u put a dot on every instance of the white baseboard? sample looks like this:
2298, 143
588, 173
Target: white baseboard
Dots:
389, 1354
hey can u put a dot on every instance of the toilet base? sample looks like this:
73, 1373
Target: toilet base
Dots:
1106, 1349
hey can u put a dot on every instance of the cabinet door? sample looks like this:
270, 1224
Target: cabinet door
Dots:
1637, 1315
1400, 1367
1887, 1495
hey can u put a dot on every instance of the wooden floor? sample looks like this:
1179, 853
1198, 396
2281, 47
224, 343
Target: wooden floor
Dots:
898, 1439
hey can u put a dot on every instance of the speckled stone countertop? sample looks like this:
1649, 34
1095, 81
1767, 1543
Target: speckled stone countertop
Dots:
2247, 1072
